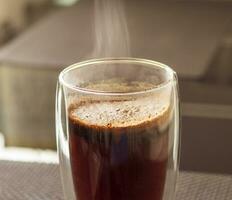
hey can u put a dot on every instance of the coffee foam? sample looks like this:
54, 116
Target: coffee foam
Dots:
121, 113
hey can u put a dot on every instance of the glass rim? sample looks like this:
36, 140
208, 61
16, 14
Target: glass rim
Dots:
116, 60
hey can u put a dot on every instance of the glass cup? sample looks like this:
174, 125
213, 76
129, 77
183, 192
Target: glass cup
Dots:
117, 125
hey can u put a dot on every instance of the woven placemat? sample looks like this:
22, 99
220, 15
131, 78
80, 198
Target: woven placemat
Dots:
202, 186
29, 181
36, 181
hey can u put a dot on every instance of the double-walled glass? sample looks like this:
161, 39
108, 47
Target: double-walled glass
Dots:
117, 124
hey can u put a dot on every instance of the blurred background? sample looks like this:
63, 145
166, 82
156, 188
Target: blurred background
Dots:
38, 38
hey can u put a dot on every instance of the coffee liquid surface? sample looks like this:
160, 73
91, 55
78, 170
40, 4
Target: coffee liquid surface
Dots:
119, 148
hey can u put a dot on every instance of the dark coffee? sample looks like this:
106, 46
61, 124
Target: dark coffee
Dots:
119, 149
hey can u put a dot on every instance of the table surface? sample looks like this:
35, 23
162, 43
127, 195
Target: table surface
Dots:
40, 181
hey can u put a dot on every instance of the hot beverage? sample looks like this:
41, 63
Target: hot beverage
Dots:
119, 148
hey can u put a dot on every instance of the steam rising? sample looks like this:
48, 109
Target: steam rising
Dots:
111, 31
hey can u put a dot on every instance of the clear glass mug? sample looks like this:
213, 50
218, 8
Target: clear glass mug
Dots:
117, 125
